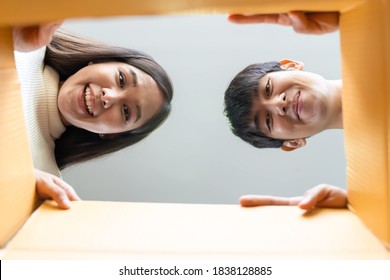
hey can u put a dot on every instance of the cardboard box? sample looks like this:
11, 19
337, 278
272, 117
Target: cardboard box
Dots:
115, 230
134, 230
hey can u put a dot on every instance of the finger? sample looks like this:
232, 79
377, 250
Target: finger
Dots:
28, 33
70, 192
326, 21
46, 32
284, 19
53, 191
301, 23
314, 23
313, 197
258, 18
324, 196
62, 201
336, 198
52, 27
264, 200
309, 201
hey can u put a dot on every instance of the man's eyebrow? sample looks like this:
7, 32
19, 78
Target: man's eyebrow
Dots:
255, 97
134, 77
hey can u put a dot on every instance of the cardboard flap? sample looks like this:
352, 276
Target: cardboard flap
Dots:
365, 46
43, 10
102, 230
17, 183
365, 54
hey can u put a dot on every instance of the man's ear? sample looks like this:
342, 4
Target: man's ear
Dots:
290, 145
291, 64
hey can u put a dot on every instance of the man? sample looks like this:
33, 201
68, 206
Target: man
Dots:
277, 104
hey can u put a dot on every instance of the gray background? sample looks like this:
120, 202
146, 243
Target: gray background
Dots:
193, 157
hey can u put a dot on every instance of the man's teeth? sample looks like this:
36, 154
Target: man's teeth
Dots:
88, 101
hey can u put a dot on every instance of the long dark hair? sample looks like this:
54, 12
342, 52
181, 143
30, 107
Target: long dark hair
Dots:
67, 54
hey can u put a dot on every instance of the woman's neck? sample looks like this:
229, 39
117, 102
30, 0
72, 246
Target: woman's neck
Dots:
63, 120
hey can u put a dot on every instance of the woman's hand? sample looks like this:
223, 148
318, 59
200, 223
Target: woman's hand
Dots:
320, 196
51, 187
31, 38
301, 22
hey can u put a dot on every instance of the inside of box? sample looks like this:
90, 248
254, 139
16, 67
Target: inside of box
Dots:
365, 47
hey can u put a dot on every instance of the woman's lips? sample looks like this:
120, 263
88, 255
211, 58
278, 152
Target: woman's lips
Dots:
81, 102
89, 100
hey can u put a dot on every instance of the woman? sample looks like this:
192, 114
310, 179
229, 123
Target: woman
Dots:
82, 100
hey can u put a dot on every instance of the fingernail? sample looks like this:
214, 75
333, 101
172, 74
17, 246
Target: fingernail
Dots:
304, 200
65, 204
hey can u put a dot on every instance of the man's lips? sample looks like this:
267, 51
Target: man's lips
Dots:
297, 104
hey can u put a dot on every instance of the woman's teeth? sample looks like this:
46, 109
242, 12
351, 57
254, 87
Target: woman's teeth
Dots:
88, 101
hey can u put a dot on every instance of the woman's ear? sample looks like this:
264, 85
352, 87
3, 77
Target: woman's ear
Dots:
107, 136
288, 64
290, 145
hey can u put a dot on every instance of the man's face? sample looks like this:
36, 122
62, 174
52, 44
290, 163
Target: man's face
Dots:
291, 105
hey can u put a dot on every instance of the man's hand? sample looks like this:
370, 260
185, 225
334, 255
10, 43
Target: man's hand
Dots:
52, 187
320, 196
31, 38
301, 22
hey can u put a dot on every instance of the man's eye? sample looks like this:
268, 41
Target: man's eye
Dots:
126, 113
121, 79
268, 121
268, 88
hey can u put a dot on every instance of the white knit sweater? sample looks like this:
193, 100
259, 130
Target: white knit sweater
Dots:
39, 90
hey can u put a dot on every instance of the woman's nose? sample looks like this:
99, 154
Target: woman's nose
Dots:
108, 98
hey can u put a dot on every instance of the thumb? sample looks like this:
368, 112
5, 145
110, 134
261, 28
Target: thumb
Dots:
308, 201
47, 30
299, 21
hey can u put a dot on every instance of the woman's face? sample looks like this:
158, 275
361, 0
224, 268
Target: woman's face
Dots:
109, 97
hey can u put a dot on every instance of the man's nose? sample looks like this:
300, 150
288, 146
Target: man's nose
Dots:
279, 104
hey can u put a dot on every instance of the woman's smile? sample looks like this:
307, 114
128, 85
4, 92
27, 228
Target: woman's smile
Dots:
110, 97
89, 99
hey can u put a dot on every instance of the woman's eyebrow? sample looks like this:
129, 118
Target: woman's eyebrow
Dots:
134, 83
139, 113
134, 77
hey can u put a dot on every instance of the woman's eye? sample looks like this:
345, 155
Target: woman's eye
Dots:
268, 121
268, 88
121, 79
126, 113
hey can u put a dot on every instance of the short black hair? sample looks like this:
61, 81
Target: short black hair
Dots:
239, 98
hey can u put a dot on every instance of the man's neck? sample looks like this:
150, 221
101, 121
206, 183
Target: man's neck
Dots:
335, 87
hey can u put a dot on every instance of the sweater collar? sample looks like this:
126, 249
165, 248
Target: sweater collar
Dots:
51, 81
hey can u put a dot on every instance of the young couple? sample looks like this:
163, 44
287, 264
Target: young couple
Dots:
100, 99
